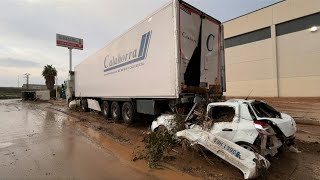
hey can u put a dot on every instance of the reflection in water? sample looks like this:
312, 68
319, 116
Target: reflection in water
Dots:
68, 140
6, 144
26, 117
48, 122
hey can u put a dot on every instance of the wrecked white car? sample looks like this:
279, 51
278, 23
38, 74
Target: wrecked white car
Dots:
252, 124
251, 164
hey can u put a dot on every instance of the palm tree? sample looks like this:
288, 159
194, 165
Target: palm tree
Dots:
49, 73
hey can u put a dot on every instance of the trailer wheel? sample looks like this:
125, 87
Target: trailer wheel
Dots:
84, 105
115, 111
106, 109
127, 113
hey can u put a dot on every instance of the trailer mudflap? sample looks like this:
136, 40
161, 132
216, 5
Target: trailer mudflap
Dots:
251, 164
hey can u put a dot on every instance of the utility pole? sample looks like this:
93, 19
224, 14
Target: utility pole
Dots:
27, 76
70, 59
57, 87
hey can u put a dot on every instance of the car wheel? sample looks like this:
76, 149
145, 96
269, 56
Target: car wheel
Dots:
115, 111
127, 113
250, 147
69, 100
106, 109
84, 105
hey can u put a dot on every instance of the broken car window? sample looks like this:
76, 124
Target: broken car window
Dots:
251, 113
264, 110
222, 114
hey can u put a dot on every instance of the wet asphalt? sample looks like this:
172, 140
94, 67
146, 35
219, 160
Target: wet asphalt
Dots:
38, 143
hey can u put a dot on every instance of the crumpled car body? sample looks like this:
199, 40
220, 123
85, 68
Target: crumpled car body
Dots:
245, 122
251, 164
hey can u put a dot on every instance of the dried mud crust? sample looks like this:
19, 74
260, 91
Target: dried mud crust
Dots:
201, 163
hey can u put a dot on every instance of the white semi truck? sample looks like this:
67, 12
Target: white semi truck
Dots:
165, 62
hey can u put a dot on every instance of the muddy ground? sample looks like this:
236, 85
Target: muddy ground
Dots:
286, 165
122, 141
39, 142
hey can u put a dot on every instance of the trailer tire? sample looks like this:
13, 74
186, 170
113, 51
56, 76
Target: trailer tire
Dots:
84, 105
115, 111
106, 109
128, 113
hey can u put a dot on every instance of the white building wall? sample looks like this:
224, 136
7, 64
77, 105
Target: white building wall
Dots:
285, 65
250, 71
299, 64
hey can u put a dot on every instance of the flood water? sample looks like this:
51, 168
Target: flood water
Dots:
36, 142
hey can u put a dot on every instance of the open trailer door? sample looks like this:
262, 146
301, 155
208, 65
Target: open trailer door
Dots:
200, 48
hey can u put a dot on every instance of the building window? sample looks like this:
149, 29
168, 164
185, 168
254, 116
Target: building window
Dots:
249, 37
299, 24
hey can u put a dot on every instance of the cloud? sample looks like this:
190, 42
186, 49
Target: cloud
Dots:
29, 27
28, 31
18, 63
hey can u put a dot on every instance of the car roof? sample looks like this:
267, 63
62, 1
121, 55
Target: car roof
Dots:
232, 102
240, 101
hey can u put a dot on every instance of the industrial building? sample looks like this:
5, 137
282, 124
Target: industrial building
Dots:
275, 51
38, 87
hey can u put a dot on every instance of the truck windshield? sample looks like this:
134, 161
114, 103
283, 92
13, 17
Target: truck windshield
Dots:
264, 110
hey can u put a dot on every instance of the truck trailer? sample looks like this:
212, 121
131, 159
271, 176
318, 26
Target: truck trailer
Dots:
165, 62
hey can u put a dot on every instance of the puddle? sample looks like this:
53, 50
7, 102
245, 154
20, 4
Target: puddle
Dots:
4, 145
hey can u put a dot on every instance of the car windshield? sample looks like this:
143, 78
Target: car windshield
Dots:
264, 110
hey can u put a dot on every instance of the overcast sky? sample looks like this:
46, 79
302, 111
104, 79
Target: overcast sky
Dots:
28, 29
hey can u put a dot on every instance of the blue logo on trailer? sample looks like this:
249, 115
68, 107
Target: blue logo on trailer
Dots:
130, 57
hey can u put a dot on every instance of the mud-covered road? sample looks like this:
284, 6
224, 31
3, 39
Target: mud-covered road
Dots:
48, 141
38, 143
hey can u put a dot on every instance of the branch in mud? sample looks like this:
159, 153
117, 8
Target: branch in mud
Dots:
157, 146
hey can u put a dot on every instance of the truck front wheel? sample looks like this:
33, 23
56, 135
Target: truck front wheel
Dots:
115, 111
127, 113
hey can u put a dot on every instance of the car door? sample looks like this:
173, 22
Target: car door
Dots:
225, 127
